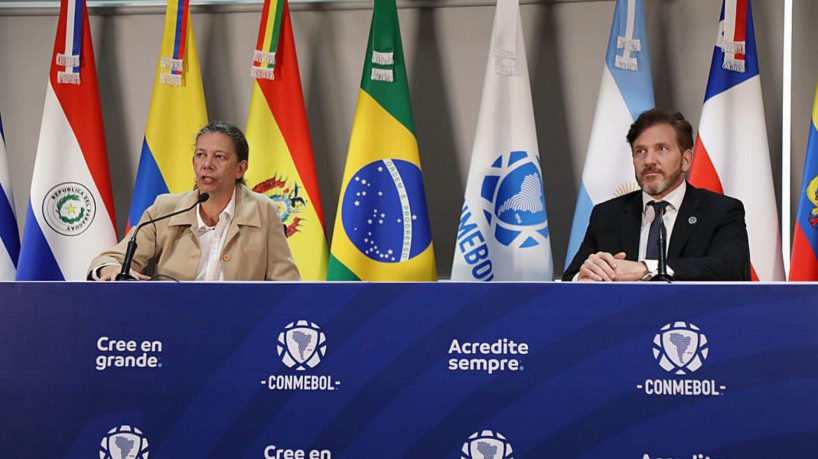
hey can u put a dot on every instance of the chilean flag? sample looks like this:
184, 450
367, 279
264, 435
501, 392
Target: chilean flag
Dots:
732, 155
804, 261
70, 215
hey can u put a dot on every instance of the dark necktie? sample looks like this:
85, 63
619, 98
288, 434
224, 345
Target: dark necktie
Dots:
652, 252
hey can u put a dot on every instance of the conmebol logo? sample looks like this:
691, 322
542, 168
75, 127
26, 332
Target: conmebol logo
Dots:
680, 348
486, 445
301, 345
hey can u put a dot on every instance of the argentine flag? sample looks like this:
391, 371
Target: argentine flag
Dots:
625, 92
71, 209
503, 231
10, 246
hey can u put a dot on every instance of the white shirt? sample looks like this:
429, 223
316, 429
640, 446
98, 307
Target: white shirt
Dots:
674, 200
211, 242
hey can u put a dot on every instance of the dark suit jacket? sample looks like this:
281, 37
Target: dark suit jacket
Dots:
709, 240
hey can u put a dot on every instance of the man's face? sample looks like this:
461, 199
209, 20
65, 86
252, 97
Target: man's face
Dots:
216, 164
658, 160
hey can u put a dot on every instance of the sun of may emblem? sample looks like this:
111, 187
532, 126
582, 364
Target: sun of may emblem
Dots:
69, 209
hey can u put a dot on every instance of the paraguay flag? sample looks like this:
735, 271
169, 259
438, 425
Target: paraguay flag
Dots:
10, 244
625, 92
70, 215
804, 261
382, 226
732, 155
503, 231
177, 113
281, 159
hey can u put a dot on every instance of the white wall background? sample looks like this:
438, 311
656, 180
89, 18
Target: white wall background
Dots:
446, 45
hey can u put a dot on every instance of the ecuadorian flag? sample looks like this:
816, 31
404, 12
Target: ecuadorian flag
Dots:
281, 160
177, 112
382, 226
804, 261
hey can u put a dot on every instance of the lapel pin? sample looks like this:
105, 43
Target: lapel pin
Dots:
692, 220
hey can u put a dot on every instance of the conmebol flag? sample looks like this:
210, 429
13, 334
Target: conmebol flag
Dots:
177, 112
281, 159
625, 92
732, 155
503, 232
382, 226
9, 237
71, 210
804, 261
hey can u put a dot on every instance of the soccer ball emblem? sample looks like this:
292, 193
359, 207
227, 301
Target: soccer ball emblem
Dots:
680, 348
124, 442
486, 445
301, 345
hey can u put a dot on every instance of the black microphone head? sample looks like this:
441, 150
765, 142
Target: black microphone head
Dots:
203, 197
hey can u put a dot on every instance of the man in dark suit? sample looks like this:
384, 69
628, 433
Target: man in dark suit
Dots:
706, 232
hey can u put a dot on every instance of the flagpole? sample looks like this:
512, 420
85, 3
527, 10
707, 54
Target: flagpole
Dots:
786, 138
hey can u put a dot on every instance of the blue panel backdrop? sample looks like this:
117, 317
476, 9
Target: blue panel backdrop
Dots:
426, 371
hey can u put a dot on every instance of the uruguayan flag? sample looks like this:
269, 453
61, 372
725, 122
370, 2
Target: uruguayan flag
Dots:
625, 92
503, 231
10, 245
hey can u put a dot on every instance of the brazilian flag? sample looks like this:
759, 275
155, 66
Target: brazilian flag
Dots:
382, 226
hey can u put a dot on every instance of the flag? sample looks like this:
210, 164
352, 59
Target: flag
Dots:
625, 92
10, 245
503, 231
176, 114
281, 162
804, 260
732, 155
70, 216
382, 226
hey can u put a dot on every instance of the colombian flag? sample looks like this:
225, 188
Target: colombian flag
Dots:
177, 113
804, 261
281, 159
382, 226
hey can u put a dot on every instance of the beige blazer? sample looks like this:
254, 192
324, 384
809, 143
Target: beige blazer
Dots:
255, 248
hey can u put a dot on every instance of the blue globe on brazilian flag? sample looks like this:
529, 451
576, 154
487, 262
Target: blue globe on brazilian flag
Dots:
382, 226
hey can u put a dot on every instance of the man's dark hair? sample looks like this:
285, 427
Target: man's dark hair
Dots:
655, 116
235, 135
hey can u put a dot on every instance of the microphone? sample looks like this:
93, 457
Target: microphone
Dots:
662, 275
125, 273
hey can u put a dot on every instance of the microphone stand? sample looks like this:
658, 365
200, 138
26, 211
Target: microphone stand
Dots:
662, 275
125, 273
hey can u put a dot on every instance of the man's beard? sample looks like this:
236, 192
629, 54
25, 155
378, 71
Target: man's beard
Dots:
662, 185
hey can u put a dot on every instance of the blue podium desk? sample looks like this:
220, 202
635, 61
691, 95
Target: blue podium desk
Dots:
421, 371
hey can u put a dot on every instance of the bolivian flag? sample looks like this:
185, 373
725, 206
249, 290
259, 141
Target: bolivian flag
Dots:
177, 113
382, 227
281, 159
